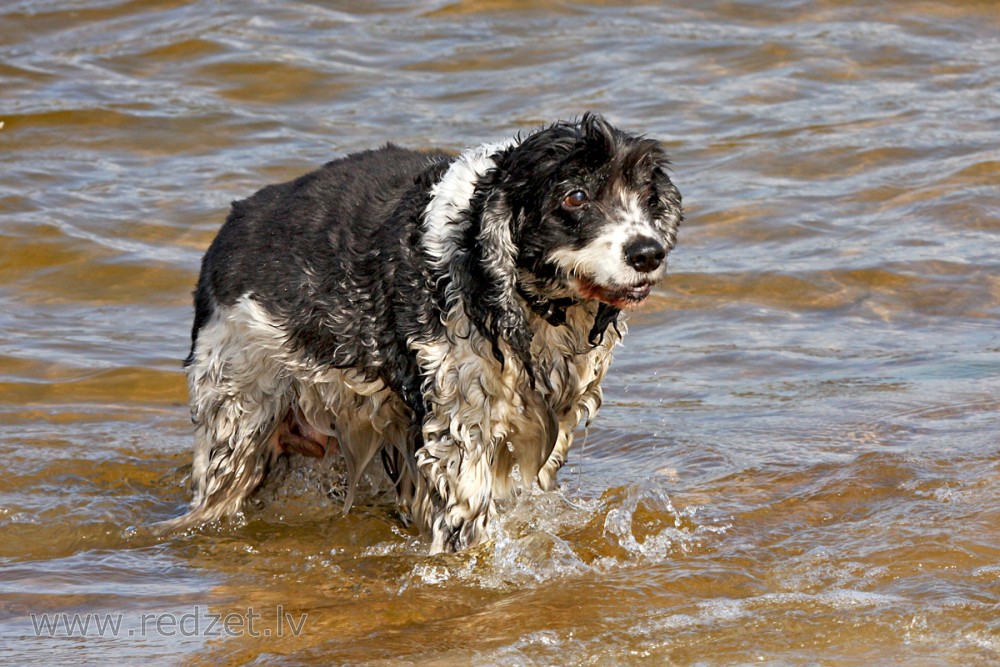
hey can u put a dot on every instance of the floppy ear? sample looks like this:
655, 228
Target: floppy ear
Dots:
490, 285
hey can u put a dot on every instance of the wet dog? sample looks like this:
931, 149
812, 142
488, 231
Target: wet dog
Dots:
452, 315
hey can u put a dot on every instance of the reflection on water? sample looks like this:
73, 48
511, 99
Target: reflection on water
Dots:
798, 460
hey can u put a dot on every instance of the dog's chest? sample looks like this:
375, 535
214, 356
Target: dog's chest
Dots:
564, 356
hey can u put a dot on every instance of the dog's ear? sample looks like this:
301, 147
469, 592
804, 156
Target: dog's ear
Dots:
489, 286
484, 274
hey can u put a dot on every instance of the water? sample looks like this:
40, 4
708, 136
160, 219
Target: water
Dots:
799, 457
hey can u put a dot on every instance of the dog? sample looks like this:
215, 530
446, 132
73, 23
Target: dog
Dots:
454, 316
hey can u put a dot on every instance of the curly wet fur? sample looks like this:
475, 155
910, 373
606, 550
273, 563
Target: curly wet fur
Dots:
454, 315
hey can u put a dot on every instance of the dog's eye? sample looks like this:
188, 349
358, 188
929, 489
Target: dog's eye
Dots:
575, 199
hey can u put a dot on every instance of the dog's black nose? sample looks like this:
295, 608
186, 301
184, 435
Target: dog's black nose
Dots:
645, 254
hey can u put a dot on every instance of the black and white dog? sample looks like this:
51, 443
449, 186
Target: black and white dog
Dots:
454, 315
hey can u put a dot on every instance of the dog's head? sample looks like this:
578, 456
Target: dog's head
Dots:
572, 212
594, 212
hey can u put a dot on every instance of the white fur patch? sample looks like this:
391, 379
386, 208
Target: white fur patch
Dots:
482, 419
451, 196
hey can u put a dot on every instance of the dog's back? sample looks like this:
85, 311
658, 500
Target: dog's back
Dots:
347, 229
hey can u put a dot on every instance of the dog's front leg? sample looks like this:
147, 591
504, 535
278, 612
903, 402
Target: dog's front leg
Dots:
469, 400
461, 482
459, 436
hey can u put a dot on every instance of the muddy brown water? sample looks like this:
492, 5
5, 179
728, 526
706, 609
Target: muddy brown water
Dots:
798, 461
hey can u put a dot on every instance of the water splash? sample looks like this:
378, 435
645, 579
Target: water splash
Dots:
546, 536
647, 526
